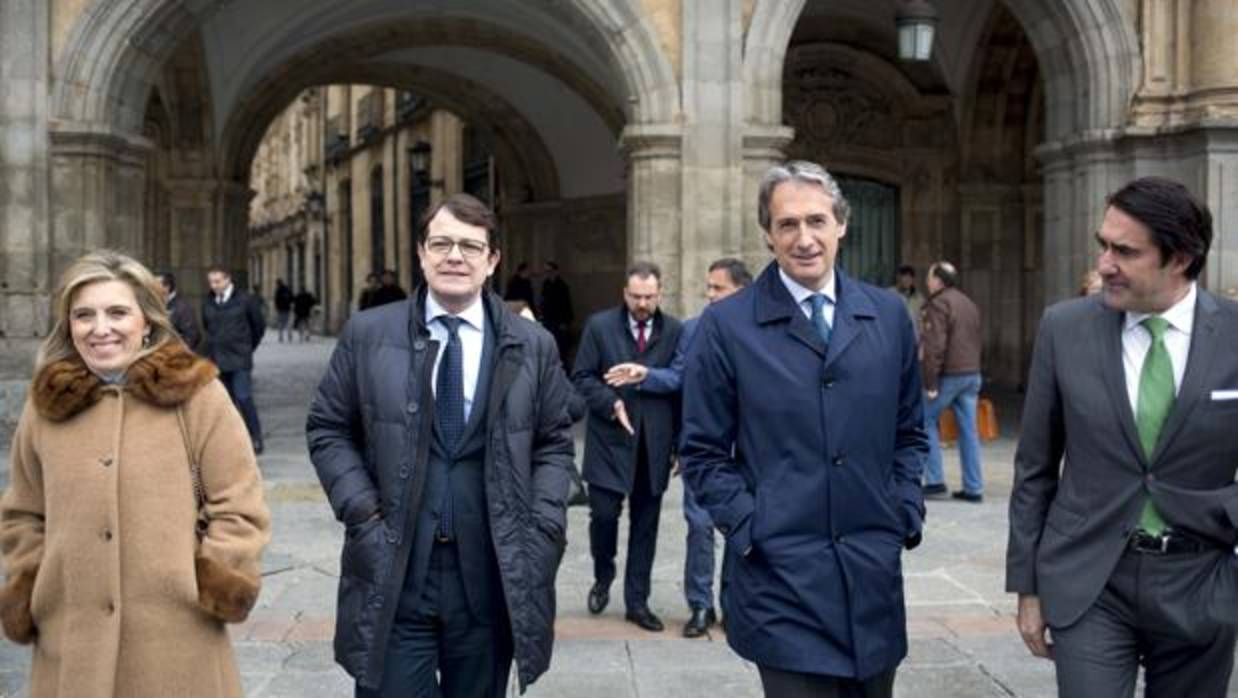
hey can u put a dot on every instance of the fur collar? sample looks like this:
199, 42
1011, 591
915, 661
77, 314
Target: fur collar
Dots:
166, 377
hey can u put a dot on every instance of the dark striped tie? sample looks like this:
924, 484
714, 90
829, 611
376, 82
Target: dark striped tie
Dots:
449, 409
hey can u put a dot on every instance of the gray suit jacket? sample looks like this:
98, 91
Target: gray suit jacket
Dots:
1070, 520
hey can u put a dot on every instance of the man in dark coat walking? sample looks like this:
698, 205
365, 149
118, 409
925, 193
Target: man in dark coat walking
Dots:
389, 291
629, 440
234, 324
804, 440
180, 311
557, 312
283, 309
726, 276
440, 437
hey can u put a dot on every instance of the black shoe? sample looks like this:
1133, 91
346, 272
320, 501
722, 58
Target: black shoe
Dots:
965, 496
645, 619
579, 498
937, 491
699, 623
599, 597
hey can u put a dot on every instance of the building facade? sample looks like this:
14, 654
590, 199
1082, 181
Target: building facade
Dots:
616, 130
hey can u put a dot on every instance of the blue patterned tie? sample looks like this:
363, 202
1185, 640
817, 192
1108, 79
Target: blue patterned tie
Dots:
818, 316
449, 409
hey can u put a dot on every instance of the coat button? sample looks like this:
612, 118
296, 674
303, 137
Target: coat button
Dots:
840, 459
377, 601
392, 537
412, 408
828, 381
404, 473
419, 345
105, 461
838, 538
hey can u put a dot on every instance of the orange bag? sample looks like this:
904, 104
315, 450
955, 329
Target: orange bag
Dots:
986, 423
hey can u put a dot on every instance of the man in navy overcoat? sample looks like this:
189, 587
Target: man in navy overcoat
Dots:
812, 376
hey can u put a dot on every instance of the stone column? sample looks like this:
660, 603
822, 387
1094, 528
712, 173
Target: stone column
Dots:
764, 147
25, 230
231, 238
713, 185
192, 243
654, 202
1220, 192
98, 191
1078, 175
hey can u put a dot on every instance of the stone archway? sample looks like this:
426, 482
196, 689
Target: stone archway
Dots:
604, 50
1089, 58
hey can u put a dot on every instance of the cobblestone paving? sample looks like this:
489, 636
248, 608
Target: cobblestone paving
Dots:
963, 642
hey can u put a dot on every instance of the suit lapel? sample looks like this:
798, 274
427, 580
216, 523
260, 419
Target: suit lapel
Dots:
1112, 367
625, 333
1198, 368
774, 303
655, 331
853, 307
800, 328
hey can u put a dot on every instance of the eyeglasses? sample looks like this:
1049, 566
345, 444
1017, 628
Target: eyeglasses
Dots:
469, 249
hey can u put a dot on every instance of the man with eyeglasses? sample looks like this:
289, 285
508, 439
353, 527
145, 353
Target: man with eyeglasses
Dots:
440, 437
630, 438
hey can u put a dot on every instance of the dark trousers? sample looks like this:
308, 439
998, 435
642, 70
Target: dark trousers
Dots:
240, 387
792, 684
605, 506
1149, 613
436, 632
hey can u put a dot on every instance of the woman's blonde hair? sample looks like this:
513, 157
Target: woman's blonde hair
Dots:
105, 265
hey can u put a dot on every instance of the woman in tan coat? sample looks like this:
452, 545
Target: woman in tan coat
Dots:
125, 438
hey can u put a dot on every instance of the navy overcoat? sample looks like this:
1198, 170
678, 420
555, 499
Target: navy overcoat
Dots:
809, 459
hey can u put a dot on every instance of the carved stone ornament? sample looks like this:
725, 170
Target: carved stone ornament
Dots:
829, 103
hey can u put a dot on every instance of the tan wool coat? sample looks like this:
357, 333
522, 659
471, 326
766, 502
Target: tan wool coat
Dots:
104, 574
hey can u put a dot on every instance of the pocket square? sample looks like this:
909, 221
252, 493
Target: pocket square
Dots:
1225, 395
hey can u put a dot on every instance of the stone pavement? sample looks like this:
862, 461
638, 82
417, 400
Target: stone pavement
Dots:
963, 642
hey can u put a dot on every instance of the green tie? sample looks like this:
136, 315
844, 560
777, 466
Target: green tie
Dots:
1156, 399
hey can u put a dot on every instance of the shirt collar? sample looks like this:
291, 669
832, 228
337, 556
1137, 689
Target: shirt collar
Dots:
1181, 315
474, 315
801, 293
223, 297
632, 321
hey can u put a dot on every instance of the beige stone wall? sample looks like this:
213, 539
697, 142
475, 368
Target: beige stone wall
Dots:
64, 15
666, 16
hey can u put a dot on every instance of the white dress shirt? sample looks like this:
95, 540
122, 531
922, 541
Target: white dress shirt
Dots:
636, 331
223, 297
472, 331
802, 295
1136, 340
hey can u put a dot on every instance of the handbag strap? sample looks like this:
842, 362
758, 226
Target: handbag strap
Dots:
195, 471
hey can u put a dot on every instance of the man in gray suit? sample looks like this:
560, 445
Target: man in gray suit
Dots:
1124, 513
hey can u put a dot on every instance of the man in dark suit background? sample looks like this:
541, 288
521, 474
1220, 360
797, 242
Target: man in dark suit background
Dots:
1124, 551
630, 438
180, 311
804, 440
233, 323
726, 276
